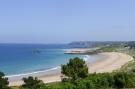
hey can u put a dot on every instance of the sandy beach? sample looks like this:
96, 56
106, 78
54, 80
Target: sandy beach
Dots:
113, 61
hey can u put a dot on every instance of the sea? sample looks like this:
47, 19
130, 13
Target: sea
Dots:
16, 59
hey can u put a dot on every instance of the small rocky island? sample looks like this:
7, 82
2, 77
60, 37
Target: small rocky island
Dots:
36, 51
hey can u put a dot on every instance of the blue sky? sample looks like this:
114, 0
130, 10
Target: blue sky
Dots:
62, 21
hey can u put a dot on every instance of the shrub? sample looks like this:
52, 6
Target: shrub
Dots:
3, 81
76, 69
32, 83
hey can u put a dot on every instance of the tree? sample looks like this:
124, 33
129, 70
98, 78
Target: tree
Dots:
76, 69
131, 44
3, 81
32, 83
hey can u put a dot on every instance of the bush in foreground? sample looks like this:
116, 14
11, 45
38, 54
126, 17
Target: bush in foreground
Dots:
3, 82
76, 69
32, 83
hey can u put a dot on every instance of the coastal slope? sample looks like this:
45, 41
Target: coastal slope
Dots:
113, 61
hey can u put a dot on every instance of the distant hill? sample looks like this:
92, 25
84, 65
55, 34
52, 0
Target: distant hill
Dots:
89, 44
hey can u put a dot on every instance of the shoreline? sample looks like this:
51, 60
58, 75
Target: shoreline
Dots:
86, 57
113, 61
32, 73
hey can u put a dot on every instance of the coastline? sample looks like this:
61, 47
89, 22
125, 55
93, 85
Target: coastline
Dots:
113, 62
110, 62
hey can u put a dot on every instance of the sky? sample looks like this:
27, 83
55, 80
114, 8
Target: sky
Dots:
63, 21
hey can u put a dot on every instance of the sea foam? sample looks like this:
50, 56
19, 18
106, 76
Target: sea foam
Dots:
86, 57
32, 73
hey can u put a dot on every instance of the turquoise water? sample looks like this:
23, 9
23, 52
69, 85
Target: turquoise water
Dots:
21, 58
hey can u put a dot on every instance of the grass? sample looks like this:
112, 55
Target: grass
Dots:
15, 87
129, 67
109, 48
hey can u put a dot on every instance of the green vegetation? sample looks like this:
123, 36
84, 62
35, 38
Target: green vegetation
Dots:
74, 70
32, 83
118, 80
3, 82
15, 87
129, 67
108, 49
113, 48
